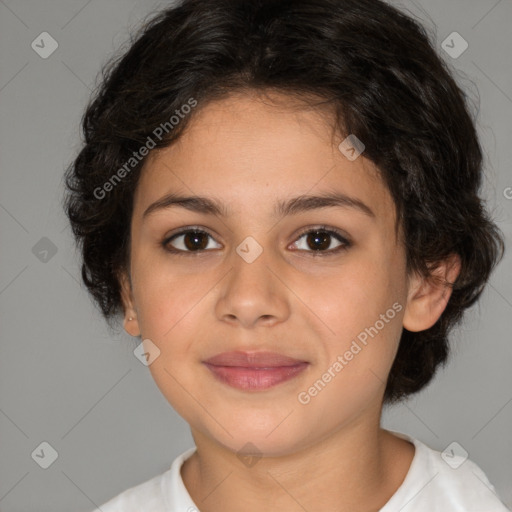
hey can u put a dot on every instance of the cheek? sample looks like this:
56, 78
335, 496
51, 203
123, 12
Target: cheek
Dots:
163, 298
170, 324
362, 310
352, 297
354, 375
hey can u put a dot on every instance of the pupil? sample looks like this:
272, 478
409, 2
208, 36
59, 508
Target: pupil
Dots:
193, 245
315, 238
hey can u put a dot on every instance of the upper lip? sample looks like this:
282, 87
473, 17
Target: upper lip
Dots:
253, 359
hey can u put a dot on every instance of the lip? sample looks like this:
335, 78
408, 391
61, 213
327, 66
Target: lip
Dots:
253, 359
254, 371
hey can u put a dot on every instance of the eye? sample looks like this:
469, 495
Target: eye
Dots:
320, 239
193, 240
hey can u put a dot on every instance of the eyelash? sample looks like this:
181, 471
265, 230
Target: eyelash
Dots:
322, 229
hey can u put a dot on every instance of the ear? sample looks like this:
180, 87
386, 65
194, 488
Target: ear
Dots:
131, 322
428, 296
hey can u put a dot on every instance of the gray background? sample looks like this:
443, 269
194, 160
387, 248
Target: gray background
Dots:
65, 379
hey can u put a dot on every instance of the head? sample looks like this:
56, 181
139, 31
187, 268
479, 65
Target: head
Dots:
245, 104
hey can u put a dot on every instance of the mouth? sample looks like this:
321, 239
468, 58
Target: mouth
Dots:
254, 371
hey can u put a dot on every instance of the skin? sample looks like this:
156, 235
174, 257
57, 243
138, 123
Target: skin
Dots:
330, 454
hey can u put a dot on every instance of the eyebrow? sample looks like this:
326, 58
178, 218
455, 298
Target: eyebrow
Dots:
292, 206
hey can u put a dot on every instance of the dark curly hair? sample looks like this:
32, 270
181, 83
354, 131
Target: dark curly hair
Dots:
373, 65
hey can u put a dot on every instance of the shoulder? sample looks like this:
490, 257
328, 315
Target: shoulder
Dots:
142, 497
444, 481
152, 495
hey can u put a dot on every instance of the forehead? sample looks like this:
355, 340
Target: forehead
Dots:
251, 151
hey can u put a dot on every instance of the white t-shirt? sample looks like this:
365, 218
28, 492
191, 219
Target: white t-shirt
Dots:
431, 485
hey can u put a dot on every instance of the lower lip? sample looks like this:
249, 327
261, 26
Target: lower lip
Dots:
254, 379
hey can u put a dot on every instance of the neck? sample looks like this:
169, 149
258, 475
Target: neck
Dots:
355, 468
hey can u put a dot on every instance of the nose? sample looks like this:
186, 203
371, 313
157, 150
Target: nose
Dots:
252, 294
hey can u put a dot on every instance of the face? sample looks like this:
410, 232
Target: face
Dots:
322, 283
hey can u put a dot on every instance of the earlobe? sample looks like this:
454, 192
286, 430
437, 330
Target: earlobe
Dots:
130, 322
428, 297
131, 326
